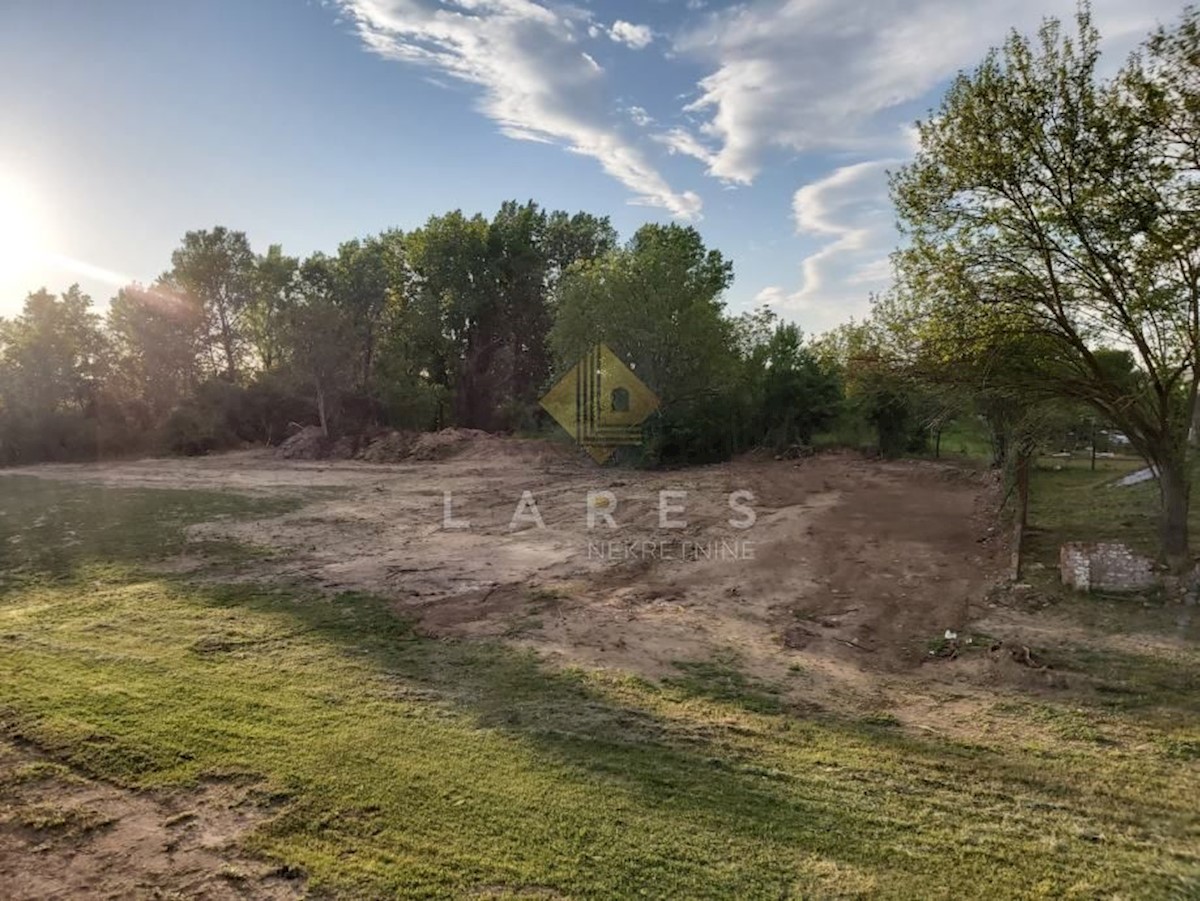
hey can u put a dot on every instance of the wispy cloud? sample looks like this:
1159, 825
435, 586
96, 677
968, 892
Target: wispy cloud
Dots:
537, 82
805, 75
840, 78
680, 140
848, 213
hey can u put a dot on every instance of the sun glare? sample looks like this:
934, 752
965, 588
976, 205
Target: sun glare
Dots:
23, 229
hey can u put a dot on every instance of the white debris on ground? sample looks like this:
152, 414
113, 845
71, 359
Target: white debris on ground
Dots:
1136, 478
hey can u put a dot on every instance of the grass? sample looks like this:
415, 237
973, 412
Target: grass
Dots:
409, 767
966, 437
1070, 502
65, 821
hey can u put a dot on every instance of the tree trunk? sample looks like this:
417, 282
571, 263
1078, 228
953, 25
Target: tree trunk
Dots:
227, 344
1024, 458
321, 411
1175, 488
1021, 513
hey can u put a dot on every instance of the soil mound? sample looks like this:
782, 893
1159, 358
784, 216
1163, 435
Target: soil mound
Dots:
390, 447
395, 446
450, 443
310, 443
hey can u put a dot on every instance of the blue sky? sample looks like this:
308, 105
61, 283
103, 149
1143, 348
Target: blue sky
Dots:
769, 124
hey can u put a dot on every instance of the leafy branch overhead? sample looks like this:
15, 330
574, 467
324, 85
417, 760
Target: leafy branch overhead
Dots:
1050, 214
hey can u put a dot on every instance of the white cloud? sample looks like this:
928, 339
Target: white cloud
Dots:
680, 140
638, 37
537, 83
640, 117
803, 75
849, 213
840, 78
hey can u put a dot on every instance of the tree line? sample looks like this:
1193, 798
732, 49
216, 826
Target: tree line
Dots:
1048, 285
465, 321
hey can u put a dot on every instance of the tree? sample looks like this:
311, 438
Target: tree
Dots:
52, 365
882, 392
570, 239
1046, 205
274, 286
365, 276
217, 268
657, 302
52, 356
793, 394
476, 305
156, 337
321, 337
449, 261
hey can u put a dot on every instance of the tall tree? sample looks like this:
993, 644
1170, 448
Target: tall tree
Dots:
52, 355
52, 366
657, 302
1046, 203
449, 258
321, 338
518, 271
217, 268
157, 336
274, 288
367, 274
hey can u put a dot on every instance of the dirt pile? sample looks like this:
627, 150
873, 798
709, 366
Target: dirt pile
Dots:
309, 443
390, 447
449, 443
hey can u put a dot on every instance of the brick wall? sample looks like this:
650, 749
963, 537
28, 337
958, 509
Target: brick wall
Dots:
1105, 566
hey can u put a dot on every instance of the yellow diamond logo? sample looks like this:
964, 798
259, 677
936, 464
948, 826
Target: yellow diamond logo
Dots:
601, 403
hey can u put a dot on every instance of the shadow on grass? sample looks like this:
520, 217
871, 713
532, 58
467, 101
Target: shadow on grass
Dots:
844, 788
1131, 681
49, 530
601, 786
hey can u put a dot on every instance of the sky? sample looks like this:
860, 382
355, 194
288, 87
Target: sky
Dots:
769, 125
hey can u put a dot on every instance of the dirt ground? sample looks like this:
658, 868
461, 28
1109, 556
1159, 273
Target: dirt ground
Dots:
851, 567
851, 574
63, 836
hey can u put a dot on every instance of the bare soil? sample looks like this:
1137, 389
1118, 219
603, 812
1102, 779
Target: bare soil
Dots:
849, 578
851, 567
63, 836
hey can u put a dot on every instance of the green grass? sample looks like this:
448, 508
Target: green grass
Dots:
405, 766
1068, 501
49, 528
966, 437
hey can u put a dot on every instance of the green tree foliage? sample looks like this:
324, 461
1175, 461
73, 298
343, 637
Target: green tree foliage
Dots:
53, 353
480, 304
216, 269
884, 393
53, 362
1052, 210
274, 285
793, 395
463, 321
157, 341
324, 340
724, 384
657, 302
